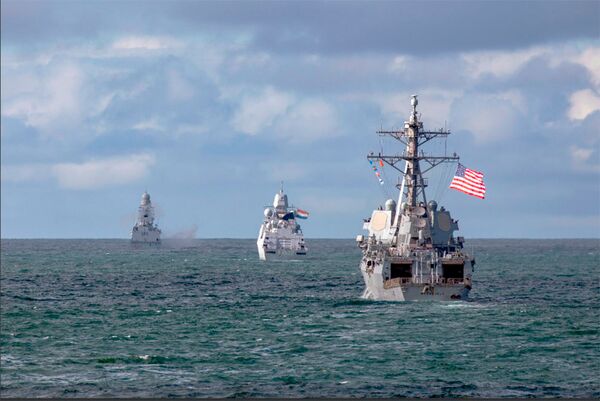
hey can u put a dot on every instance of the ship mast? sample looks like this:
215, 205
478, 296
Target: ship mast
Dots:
413, 136
145, 211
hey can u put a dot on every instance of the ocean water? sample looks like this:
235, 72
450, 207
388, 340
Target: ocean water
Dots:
206, 318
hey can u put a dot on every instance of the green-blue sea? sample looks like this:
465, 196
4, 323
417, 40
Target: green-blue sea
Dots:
206, 318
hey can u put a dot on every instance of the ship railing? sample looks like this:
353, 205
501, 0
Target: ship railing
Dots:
451, 281
397, 252
396, 282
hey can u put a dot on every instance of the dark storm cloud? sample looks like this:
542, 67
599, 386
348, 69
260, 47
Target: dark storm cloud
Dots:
425, 27
316, 26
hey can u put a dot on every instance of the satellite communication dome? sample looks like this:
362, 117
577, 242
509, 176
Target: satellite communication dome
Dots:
432, 205
268, 212
145, 198
390, 204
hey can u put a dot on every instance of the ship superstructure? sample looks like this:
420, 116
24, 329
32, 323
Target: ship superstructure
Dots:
280, 235
145, 230
410, 252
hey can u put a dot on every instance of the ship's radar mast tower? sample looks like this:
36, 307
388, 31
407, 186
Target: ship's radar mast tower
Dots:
280, 202
413, 136
145, 211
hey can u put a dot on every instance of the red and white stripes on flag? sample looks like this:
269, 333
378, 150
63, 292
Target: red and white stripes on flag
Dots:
468, 181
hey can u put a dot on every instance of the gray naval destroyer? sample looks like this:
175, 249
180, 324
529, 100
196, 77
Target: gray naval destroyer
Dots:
280, 236
145, 230
410, 252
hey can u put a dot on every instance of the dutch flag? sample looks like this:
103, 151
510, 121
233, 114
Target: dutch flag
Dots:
301, 214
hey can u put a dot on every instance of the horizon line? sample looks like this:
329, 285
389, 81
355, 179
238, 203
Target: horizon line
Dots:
310, 238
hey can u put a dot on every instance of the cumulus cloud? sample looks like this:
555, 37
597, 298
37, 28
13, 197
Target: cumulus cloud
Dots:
88, 175
585, 159
144, 43
283, 115
581, 154
400, 64
583, 103
51, 102
308, 121
100, 173
258, 112
499, 62
151, 124
590, 59
24, 173
490, 118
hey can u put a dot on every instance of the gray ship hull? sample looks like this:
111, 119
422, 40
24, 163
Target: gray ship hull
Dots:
377, 288
145, 235
279, 254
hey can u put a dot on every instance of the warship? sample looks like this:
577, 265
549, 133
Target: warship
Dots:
280, 235
144, 230
410, 252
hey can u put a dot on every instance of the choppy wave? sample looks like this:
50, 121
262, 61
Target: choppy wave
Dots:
205, 318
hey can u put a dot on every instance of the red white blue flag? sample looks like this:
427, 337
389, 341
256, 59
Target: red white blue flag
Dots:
301, 214
468, 181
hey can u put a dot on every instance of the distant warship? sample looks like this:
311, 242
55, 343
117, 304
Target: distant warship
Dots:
410, 252
144, 229
280, 235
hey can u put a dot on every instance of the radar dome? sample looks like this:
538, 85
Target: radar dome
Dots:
268, 212
432, 205
145, 198
390, 204
280, 201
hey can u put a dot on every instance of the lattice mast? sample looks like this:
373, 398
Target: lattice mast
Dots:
412, 185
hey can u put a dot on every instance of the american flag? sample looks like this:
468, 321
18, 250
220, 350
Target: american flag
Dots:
468, 181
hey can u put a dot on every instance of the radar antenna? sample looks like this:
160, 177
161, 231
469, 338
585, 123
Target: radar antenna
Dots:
412, 186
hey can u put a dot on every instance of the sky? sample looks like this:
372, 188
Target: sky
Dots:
210, 105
